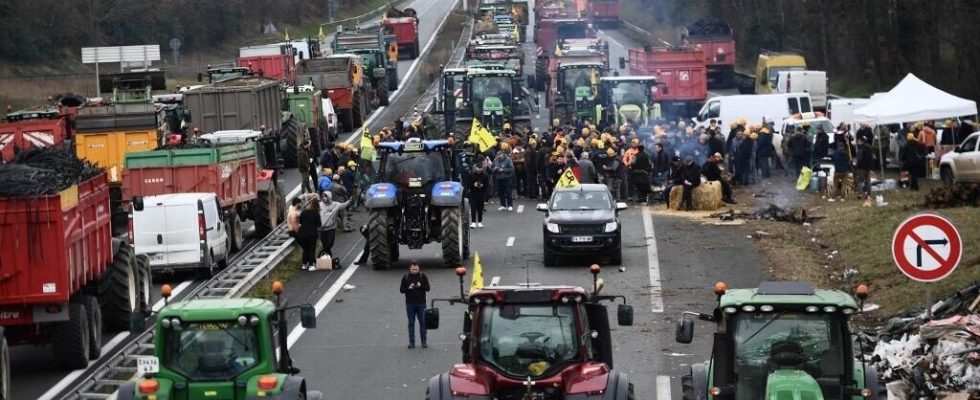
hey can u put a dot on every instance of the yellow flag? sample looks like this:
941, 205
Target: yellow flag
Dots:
558, 50
321, 35
481, 136
517, 34
477, 283
287, 35
367, 146
567, 179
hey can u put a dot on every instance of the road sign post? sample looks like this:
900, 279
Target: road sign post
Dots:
927, 247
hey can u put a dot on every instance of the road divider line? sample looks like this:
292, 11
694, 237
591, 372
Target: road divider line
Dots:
663, 387
656, 290
510, 241
520, 208
495, 281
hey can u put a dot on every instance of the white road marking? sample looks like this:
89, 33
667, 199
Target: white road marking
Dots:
322, 303
510, 241
663, 387
173, 294
656, 290
495, 281
68, 379
520, 208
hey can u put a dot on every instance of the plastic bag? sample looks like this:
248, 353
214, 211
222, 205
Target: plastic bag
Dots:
804, 180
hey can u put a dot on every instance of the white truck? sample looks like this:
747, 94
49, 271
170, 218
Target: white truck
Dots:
752, 107
842, 110
805, 81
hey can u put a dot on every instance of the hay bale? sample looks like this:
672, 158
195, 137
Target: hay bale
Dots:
707, 197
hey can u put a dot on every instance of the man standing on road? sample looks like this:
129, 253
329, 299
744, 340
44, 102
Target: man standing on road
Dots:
414, 285
328, 220
503, 171
303, 165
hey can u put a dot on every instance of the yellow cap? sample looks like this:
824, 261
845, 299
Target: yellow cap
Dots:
351, 164
506, 125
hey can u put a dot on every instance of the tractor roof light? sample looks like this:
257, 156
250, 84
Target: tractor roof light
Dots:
254, 321
175, 322
862, 291
765, 308
730, 310
242, 320
720, 288
812, 309
847, 310
714, 391
748, 308
564, 299
165, 323
829, 309
866, 393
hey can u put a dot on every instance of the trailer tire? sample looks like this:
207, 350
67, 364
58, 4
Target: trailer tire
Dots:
378, 238
383, 95
70, 339
144, 278
416, 49
265, 213
4, 369
118, 290
290, 134
94, 325
347, 119
452, 236
235, 235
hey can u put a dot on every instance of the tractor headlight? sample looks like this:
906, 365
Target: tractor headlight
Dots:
847, 311
812, 309
748, 308
242, 320
730, 310
165, 323
175, 323
254, 321
765, 308
553, 228
829, 309
611, 227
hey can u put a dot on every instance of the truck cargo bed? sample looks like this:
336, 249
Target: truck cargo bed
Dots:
227, 170
240, 103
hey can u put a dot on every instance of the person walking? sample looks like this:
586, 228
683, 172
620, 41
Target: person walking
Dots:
863, 165
414, 285
309, 223
478, 183
587, 169
913, 157
329, 210
503, 171
303, 165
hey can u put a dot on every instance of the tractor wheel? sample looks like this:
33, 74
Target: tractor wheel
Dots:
466, 231
383, 95
392, 77
358, 111
452, 236
70, 339
378, 238
266, 213
687, 387
94, 326
290, 145
144, 283
118, 290
393, 251
235, 235
416, 49
4, 369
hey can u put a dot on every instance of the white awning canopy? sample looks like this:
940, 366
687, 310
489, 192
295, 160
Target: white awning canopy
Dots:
913, 100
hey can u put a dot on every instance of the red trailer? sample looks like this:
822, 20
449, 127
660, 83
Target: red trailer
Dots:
681, 77
281, 67
552, 31
33, 127
714, 37
64, 275
604, 12
406, 31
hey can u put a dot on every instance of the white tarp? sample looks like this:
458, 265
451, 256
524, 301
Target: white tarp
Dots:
913, 100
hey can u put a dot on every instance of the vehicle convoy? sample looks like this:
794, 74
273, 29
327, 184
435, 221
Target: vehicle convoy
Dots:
806, 81
340, 78
626, 99
769, 65
510, 16
234, 349
38, 126
782, 340
534, 342
682, 84
962, 165
714, 38
775, 107
67, 279
580, 221
380, 55
494, 97
415, 202
404, 25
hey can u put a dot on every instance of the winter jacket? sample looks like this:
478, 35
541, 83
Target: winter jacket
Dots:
865, 159
842, 162
641, 162
692, 174
478, 185
763, 145
588, 172
711, 171
328, 214
821, 146
503, 167
799, 146
309, 224
661, 162
416, 295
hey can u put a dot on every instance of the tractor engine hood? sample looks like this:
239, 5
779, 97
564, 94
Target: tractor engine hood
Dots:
630, 111
492, 104
792, 384
577, 379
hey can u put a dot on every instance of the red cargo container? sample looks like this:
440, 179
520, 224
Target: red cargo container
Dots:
604, 12
681, 76
342, 98
32, 128
235, 182
406, 31
280, 66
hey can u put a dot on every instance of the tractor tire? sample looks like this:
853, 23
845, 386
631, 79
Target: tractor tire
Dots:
4, 369
466, 230
266, 213
94, 326
144, 279
687, 388
393, 251
290, 145
452, 236
358, 111
70, 339
118, 290
392, 77
383, 95
416, 49
378, 239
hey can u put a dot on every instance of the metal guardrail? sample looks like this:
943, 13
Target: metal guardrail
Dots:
106, 376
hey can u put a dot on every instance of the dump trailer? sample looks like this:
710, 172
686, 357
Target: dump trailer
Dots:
713, 36
275, 62
66, 279
604, 12
39, 126
404, 25
340, 78
380, 55
681, 77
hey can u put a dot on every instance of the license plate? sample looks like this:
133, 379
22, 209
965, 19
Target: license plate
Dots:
156, 257
581, 239
147, 365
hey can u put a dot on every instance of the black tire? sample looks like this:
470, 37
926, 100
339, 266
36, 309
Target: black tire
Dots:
466, 230
236, 237
378, 238
946, 173
631, 394
451, 236
118, 291
290, 146
417, 49
4, 369
550, 259
687, 388
265, 214
616, 257
383, 95
392, 77
70, 339
94, 314
347, 119
358, 112
144, 278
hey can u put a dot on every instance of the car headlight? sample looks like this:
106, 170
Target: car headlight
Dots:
553, 228
611, 227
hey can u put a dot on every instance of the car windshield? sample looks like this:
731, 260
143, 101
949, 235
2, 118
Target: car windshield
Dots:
528, 340
781, 340
211, 350
580, 200
630, 93
414, 170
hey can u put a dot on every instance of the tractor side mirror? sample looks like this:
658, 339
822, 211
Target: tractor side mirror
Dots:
543, 207
137, 323
431, 318
620, 206
622, 63
138, 203
307, 316
685, 330
624, 315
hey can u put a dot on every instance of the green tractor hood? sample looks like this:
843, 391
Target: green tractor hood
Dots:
583, 92
492, 105
792, 384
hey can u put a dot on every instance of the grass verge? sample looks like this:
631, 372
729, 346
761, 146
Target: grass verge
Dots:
282, 273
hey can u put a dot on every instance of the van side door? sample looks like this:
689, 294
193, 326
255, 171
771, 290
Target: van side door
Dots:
217, 236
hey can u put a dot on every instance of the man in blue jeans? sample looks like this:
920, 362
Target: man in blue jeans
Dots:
414, 285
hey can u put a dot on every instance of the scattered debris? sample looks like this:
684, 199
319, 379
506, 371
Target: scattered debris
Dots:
953, 195
348, 287
770, 212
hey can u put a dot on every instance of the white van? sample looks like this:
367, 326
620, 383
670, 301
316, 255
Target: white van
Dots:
806, 81
842, 110
180, 231
752, 107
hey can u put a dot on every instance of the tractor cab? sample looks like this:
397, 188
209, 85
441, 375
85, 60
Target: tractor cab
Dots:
495, 97
577, 89
626, 99
534, 342
780, 340
132, 87
415, 165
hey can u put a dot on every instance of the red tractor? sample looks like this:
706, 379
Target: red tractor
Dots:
534, 342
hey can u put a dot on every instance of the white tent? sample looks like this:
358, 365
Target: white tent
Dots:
913, 100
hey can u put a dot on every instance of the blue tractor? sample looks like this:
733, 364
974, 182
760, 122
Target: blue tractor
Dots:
416, 202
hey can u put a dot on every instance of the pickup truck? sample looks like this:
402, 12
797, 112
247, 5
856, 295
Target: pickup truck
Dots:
962, 165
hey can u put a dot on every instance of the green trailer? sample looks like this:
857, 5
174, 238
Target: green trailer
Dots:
380, 55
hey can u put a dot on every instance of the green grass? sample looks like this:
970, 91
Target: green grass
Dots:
283, 272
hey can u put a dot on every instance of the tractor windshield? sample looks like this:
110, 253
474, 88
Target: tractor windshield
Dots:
573, 30
580, 78
414, 170
216, 350
528, 340
630, 93
490, 88
786, 340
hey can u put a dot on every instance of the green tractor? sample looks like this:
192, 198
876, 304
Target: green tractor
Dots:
576, 90
494, 97
625, 99
783, 340
380, 55
221, 349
